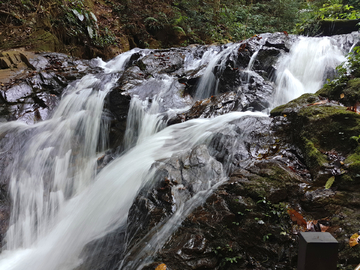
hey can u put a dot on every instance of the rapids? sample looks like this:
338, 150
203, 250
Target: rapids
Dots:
61, 202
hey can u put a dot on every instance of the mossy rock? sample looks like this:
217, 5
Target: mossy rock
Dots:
330, 127
295, 105
347, 92
313, 157
267, 179
318, 126
44, 41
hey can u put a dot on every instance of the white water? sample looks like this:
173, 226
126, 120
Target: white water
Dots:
208, 82
305, 69
61, 204
143, 120
103, 205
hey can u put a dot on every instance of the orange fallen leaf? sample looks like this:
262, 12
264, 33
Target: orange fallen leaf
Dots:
342, 95
286, 33
324, 228
320, 102
297, 217
242, 47
354, 240
161, 267
310, 225
355, 108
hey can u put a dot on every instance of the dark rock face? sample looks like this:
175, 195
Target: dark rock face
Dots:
118, 104
337, 27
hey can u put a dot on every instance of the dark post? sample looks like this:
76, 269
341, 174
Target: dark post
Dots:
317, 251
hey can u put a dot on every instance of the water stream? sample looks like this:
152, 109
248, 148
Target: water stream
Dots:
60, 203
306, 68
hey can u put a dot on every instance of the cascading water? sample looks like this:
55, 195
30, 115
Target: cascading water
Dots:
142, 123
60, 204
305, 69
208, 82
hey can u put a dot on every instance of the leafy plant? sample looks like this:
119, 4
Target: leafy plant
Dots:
347, 70
266, 237
153, 23
226, 255
312, 13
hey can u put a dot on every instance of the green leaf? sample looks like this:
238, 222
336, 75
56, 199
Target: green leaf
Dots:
329, 182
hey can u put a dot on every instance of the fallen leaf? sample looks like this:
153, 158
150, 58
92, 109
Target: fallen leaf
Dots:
329, 182
242, 47
355, 108
310, 225
161, 267
286, 33
296, 217
324, 228
342, 95
354, 240
320, 102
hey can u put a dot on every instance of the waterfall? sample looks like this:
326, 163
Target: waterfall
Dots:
208, 82
60, 203
305, 69
144, 120
103, 206
57, 158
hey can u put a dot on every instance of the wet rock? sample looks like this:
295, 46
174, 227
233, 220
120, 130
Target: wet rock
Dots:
252, 97
232, 230
244, 223
321, 128
176, 181
110, 247
162, 62
118, 105
18, 92
325, 131
32, 95
344, 92
26, 61
337, 27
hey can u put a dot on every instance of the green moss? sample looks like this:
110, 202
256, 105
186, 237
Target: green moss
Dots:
271, 180
355, 167
346, 178
353, 162
354, 157
43, 41
294, 105
330, 127
313, 157
352, 92
343, 90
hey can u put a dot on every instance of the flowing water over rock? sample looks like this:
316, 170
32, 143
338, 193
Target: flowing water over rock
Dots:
157, 156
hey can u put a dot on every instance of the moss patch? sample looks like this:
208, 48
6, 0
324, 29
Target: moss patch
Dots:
294, 105
330, 127
44, 41
345, 91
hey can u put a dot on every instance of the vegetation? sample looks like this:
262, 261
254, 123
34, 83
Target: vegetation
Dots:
314, 13
89, 28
